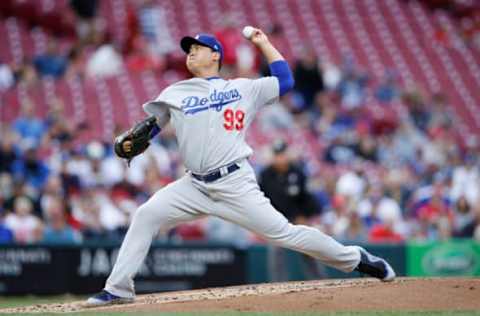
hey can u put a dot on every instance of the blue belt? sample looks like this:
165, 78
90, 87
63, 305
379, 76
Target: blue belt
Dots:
217, 174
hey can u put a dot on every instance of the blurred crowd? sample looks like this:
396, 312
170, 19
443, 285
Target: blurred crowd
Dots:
78, 42
466, 14
390, 164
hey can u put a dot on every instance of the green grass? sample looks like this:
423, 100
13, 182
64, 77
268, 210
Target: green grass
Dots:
17, 301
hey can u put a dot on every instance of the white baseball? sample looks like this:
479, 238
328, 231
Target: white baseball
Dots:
247, 31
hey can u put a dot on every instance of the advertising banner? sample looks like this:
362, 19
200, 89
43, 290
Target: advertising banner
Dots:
449, 258
84, 269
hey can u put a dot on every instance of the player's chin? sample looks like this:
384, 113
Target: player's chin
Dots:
191, 66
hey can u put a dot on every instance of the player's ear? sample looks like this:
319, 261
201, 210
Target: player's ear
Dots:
216, 56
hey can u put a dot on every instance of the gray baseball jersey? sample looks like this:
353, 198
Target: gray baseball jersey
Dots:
211, 116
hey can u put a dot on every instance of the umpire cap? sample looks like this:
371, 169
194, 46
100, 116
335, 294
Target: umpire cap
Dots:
279, 146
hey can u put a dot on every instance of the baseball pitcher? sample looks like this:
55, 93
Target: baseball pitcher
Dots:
210, 117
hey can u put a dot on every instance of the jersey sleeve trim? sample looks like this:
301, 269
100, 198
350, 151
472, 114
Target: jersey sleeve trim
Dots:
282, 72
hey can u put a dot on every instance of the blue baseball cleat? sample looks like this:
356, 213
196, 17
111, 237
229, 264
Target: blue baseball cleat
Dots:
375, 266
106, 298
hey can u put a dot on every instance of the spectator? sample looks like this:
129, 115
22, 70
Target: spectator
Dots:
111, 170
25, 73
463, 219
6, 190
7, 152
476, 225
25, 226
57, 231
190, 231
433, 152
230, 38
86, 11
7, 80
6, 235
405, 143
71, 183
435, 216
378, 208
51, 63
466, 180
275, 117
356, 231
87, 213
441, 113
124, 197
154, 28
80, 167
59, 128
398, 183
331, 75
352, 184
387, 90
55, 114
31, 169
76, 63
339, 152
143, 59
247, 58
382, 215
97, 214
352, 88
53, 189
415, 101
28, 126
106, 61
308, 77
112, 217
366, 148
324, 116
335, 221
384, 233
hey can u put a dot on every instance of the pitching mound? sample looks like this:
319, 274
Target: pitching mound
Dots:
412, 294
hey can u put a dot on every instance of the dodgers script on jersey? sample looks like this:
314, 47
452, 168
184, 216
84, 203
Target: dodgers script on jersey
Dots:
211, 116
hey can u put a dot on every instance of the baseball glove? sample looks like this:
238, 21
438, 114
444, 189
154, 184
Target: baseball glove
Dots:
136, 140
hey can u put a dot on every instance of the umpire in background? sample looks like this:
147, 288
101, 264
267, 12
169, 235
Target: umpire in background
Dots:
284, 183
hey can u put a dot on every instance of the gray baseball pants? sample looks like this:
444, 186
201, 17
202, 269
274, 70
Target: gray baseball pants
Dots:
236, 198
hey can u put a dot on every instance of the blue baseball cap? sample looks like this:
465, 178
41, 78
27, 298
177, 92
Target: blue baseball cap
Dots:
207, 40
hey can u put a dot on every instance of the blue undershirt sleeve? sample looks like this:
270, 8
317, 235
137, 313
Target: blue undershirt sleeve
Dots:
156, 129
281, 70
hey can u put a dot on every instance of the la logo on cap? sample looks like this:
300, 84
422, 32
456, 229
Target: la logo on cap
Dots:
197, 36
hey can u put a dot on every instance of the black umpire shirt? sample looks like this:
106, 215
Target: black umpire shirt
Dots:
287, 192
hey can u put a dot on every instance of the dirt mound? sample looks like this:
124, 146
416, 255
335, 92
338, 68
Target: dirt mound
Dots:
327, 295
